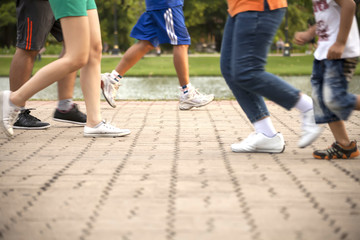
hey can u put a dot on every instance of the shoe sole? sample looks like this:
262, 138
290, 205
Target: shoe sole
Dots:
106, 134
262, 151
188, 106
2, 125
352, 155
68, 121
103, 92
31, 128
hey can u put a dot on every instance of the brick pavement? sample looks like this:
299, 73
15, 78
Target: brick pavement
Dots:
175, 178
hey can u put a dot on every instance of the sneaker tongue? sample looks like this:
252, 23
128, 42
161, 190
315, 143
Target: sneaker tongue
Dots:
25, 111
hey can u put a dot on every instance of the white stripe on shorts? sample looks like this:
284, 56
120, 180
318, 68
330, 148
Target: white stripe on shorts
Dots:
169, 21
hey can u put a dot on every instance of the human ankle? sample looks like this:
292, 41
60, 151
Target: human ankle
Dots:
346, 144
15, 102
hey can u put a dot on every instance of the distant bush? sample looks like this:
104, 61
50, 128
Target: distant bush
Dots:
53, 49
7, 51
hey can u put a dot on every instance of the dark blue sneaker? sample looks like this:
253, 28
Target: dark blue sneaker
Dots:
26, 121
73, 116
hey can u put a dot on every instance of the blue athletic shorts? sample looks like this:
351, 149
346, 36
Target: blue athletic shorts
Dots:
162, 26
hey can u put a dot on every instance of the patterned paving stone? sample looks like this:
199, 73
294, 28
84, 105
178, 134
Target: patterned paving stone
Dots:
174, 178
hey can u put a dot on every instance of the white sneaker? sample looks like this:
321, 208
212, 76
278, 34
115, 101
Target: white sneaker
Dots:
105, 129
259, 143
310, 130
194, 99
8, 113
109, 87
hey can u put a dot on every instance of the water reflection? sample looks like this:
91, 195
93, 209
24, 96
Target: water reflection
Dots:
156, 88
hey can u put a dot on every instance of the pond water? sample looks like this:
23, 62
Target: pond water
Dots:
165, 88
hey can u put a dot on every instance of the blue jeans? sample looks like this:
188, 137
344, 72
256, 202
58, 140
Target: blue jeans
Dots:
332, 102
246, 41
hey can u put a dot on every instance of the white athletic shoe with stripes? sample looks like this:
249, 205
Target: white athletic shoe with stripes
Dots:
109, 87
193, 98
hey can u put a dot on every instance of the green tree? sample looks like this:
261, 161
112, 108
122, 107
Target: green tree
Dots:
298, 15
205, 20
127, 12
7, 23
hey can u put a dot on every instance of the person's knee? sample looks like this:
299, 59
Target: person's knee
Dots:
26, 53
147, 45
244, 76
76, 61
331, 101
96, 51
181, 47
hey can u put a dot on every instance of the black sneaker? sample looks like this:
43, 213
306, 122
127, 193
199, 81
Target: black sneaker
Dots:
73, 116
27, 121
336, 151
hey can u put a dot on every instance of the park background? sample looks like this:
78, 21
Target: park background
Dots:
205, 20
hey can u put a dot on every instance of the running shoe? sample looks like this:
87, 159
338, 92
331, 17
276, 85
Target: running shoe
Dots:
73, 116
336, 151
193, 98
105, 129
310, 130
27, 121
259, 143
8, 113
109, 87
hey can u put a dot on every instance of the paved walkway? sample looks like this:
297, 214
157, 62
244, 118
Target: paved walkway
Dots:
173, 178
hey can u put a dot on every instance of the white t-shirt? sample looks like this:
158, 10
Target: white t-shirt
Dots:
327, 16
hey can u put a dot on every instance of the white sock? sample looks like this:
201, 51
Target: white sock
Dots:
304, 104
15, 106
185, 88
115, 75
266, 127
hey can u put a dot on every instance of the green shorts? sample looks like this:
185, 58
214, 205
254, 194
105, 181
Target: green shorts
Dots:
71, 8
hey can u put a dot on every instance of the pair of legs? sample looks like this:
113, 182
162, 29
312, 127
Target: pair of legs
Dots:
83, 45
139, 49
246, 41
110, 82
24, 60
152, 28
35, 21
332, 102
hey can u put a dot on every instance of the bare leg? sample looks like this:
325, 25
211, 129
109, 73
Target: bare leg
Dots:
24, 60
181, 63
66, 86
357, 107
90, 73
133, 55
339, 131
74, 59
21, 68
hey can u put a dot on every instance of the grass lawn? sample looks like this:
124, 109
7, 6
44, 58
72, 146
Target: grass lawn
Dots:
199, 65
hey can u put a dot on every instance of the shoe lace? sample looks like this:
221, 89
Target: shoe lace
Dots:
108, 125
195, 93
334, 151
115, 84
26, 114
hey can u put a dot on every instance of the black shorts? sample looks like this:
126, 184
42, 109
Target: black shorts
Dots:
35, 20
